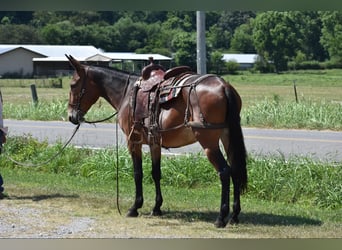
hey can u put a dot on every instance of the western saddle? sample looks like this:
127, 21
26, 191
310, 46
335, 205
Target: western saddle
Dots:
156, 86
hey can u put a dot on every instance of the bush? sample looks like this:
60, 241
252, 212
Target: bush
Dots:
332, 64
232, 67
305, 65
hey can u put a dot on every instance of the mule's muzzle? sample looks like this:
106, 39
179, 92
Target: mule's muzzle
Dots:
76, 117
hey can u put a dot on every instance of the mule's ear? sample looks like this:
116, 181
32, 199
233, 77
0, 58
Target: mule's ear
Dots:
76, 64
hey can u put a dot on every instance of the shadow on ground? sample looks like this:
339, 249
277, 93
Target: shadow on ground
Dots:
42, 197
262, 219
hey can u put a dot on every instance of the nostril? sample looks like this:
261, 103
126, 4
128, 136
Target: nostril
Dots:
72, 120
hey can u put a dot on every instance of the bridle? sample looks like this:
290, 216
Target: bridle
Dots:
77, 106
80, 113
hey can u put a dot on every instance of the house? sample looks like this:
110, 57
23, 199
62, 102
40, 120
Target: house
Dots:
19, 60
50, 60
246, 61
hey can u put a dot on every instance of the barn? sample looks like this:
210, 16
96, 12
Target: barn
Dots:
246, 61
19, 60
50, 60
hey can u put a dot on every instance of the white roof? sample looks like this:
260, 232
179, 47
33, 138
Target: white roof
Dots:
133, 56
240, 58
80, 52
77, 51
98, 57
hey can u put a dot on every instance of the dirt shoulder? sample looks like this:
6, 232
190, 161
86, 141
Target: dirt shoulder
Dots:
47, 214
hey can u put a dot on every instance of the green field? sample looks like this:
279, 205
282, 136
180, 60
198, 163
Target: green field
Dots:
268, 100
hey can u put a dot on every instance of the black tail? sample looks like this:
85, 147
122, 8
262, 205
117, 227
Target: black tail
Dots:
237, 154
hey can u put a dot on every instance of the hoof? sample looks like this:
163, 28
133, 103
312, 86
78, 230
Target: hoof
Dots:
234, 221
156, 213
132, 213
220, 223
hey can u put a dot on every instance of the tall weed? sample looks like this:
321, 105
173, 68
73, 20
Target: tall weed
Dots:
305, 114
296, 180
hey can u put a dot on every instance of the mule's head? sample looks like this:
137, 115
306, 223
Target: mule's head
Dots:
83, 92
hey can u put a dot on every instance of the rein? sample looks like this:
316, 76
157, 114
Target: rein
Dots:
102, 120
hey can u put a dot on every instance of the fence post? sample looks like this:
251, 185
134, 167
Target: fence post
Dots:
34, 94
295, 90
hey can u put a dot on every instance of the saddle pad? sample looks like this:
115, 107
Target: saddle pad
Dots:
170, 91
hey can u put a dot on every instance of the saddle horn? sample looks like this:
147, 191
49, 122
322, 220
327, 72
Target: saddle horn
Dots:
146, 71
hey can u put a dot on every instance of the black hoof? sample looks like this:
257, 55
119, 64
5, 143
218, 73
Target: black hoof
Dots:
156, 213
234, 221
132, 213
220, 223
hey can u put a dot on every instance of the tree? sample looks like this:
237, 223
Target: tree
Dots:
332, 34
276, 38
59, 33
216, 62
242, 40
184, 45
217, 38
310, 26
230, 20
18, 34
131, 35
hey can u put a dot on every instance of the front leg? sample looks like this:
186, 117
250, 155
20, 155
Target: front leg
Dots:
156, 175
136, 154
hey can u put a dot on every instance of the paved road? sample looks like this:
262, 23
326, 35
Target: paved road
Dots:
324, 145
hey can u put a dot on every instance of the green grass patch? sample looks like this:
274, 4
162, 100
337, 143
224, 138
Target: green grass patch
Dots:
268, 100
326, 78
296, 198
308, 114
298, 180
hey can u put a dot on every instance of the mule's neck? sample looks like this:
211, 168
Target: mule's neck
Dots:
115, 85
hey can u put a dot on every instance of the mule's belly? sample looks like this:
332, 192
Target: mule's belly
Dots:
178, 137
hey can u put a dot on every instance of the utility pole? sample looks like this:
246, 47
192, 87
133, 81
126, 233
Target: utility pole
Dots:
201, 45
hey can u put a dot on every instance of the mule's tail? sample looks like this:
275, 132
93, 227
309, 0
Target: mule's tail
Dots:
237, 154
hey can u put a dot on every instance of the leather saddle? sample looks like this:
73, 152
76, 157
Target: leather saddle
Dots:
147, 91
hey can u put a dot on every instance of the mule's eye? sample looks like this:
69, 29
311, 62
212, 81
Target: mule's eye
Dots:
73, 84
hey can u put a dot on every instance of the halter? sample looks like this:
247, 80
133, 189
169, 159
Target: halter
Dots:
80, 113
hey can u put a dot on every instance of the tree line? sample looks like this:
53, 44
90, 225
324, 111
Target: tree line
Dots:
283, 40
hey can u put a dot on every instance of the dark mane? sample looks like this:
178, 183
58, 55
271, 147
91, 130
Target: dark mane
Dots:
107, 68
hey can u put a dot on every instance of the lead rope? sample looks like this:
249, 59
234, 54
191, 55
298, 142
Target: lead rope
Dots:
117, 167
49, 160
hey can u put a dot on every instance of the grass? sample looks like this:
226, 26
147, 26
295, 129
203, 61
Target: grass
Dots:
313, 78
312, 86
268, 100
293, 198
298, 180
302, 115
187, 212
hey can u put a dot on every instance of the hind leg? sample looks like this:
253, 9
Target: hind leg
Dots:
216, 158
236, 204
236, 183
